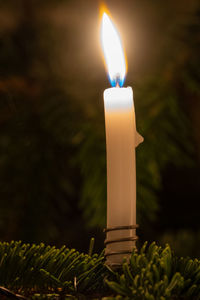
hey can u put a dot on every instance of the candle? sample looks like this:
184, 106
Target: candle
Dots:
121, 141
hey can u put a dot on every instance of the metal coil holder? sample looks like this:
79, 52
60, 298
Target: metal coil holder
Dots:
129, 239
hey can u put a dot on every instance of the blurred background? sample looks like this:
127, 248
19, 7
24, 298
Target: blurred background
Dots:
52, 135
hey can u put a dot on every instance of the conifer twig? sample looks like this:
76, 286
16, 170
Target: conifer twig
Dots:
8, 293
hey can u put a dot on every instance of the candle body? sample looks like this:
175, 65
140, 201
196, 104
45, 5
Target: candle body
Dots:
121, 141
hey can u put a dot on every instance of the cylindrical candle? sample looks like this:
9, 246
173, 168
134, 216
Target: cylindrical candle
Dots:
121, 140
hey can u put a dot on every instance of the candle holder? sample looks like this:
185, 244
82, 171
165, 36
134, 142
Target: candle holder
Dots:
131, 238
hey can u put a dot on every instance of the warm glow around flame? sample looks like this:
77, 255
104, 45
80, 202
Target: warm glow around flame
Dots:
113, 52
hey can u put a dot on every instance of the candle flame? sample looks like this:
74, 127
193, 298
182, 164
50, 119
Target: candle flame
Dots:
113, 51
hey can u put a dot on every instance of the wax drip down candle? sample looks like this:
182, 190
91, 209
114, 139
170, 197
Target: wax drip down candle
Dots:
121, 141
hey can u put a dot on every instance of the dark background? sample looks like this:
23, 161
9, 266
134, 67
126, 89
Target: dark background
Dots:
52, 139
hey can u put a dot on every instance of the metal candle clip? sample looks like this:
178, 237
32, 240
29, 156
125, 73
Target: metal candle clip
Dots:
120, 240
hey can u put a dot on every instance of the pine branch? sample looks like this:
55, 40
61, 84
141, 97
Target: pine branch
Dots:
45, 272
10, 295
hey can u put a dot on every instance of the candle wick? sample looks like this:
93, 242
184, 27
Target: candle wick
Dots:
118, 81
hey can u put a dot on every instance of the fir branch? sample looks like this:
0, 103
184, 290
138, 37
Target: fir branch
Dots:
45, 272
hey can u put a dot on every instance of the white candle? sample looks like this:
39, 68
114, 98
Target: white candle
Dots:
121, 141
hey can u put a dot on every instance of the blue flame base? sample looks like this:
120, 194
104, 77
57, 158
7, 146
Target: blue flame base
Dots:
117, 81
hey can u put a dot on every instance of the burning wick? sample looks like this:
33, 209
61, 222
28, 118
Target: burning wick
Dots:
118, 81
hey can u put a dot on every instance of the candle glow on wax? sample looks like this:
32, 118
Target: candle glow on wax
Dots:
113, 52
